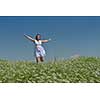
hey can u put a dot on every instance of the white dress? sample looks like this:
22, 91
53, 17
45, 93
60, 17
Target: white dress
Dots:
39, 50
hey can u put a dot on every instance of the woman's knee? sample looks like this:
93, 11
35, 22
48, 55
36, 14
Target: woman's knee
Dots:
42, 59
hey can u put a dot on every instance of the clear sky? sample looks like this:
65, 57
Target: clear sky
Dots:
70, 36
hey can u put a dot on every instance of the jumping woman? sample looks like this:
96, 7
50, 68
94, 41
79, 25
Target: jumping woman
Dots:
39, 50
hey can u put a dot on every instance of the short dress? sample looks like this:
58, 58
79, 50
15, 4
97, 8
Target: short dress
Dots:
39, 50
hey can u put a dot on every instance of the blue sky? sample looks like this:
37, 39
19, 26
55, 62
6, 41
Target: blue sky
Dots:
70, 36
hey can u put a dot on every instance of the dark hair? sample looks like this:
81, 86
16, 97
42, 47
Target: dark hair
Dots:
37, 36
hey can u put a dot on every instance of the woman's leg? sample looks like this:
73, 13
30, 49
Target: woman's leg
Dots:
42, 59
38, 59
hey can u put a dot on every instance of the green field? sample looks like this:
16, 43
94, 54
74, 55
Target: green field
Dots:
78, 70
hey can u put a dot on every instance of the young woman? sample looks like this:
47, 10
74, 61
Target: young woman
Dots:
39, 50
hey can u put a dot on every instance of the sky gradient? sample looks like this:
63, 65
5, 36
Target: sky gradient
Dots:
70, 36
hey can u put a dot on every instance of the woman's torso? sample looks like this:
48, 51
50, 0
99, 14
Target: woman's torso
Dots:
38, 45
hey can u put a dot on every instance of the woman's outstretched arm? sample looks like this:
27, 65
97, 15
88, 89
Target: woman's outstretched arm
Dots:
29, 37
45, 41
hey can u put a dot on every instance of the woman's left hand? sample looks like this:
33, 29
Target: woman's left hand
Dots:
49, 39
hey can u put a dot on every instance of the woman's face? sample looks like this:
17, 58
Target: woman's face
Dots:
38, 37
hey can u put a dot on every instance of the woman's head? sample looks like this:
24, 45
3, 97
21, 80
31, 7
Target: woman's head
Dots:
38, 37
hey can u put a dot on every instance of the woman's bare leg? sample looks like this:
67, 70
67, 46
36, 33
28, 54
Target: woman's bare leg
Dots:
38, 59
42, 59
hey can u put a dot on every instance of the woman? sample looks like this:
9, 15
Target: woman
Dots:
39, 50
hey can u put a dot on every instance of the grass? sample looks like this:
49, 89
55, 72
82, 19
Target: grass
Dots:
78, 70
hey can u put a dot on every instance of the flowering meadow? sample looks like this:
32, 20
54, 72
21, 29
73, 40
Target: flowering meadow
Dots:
74, 70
